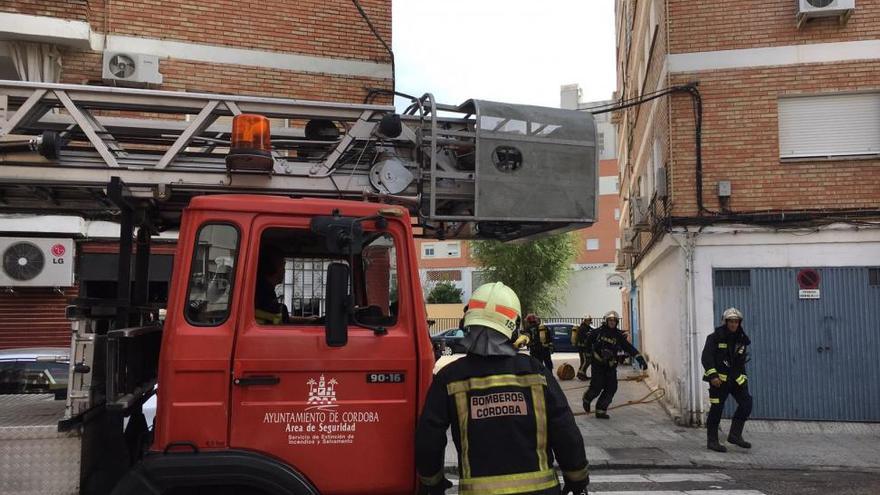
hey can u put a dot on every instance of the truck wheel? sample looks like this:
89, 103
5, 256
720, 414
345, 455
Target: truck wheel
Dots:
447, 351
230, 472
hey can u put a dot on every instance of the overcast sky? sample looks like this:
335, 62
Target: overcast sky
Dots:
515, 51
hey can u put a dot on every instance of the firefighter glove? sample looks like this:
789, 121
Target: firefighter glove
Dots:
521, 341
715, 382
642, 363
438, 489
575, 487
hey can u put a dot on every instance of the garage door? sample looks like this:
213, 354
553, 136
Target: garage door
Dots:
815, 339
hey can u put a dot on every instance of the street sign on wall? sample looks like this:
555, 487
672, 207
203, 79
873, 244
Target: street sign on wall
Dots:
808, 294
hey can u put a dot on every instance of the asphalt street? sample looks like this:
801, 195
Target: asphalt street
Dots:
729, 482
641, 451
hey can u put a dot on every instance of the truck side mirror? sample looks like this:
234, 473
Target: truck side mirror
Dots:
338, 304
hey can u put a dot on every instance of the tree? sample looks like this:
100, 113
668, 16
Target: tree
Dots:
445, 293
536, 270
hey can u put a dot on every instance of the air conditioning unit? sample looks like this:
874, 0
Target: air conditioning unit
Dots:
623, 262
627, 242
809, 9
639, 210
660, 181
131, 69
36, 262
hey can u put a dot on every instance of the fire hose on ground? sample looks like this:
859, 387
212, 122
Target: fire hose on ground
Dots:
654, 395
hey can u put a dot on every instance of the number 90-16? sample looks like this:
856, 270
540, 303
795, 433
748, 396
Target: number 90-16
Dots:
385, 378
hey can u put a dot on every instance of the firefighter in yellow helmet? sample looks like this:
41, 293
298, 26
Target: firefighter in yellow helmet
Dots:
724, 360
579, 338
540, 340
510, 419
604, 343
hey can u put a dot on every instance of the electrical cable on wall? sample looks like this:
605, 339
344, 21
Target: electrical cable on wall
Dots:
772, 218
378, 37
697, 102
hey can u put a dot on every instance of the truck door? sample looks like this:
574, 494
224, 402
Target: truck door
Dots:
342, 416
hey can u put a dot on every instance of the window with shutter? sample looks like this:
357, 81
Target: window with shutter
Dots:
829, 125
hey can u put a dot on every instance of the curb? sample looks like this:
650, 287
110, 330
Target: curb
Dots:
603, 465
612, 465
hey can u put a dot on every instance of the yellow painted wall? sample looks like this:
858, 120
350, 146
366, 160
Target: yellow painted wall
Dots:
444, 310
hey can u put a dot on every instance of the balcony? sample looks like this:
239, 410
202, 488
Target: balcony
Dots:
70, 30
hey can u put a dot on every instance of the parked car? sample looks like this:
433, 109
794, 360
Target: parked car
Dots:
448, 342
44, 370
35, 370
562, 336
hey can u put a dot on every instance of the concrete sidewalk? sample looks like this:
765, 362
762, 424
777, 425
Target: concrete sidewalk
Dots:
644, 435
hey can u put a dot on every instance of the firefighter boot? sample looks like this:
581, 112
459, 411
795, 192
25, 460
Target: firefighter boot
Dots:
735, 435
587, 400
602, 414
712, 443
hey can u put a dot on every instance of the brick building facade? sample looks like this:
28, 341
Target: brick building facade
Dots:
312, 50
308, 50
790, 149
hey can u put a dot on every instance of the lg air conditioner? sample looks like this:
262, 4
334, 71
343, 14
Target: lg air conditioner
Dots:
36, 262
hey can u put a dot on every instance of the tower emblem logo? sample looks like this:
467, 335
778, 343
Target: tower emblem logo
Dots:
322, 393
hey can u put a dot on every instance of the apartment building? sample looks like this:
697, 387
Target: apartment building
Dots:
312, 50
749, 178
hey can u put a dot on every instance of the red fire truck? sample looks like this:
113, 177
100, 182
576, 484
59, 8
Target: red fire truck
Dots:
258, 393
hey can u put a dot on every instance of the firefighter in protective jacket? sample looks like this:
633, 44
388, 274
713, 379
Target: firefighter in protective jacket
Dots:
604, 343
579, 338
509, 417
540, 340
724, 360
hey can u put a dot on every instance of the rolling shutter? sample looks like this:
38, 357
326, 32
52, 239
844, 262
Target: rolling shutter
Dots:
829, 125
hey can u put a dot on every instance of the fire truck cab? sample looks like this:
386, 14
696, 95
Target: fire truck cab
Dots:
304, 401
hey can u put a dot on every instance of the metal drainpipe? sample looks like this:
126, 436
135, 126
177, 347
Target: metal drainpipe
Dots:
694, 344
695, 406
633, 310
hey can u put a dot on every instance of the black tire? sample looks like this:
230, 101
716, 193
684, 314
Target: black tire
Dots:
206, 472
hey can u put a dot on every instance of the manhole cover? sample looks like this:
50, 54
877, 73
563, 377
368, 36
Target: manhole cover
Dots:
637, 453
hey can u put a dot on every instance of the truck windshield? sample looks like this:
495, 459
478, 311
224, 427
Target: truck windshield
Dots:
292, 273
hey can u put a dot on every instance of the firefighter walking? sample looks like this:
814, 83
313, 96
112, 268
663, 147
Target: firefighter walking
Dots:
509, 417
579, 337
540, 340
604, 343
724, 359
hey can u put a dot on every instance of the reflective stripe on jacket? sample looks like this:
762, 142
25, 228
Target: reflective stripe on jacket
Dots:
509, 420
725, 355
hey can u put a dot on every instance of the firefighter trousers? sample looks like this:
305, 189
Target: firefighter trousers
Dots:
717, 397
584, 356
603, 385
